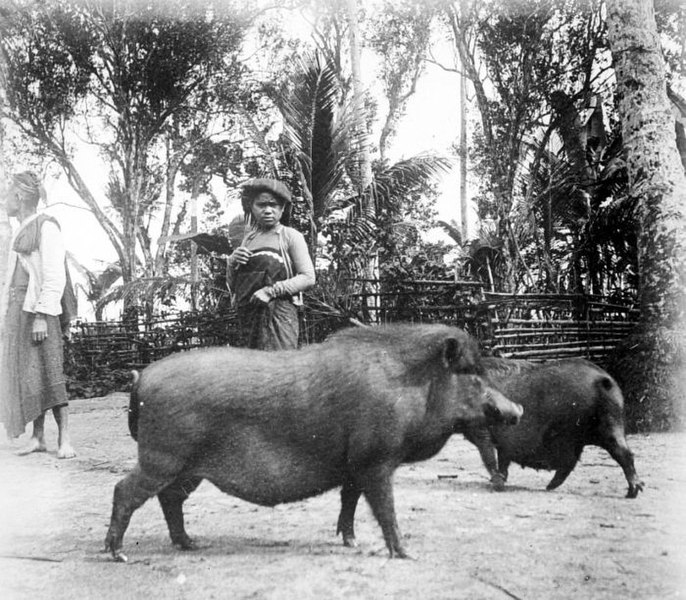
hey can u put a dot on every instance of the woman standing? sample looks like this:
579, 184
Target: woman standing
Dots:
269, 270
31, 361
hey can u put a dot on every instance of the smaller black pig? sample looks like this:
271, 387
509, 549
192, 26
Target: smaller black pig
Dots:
275, 427
568, 404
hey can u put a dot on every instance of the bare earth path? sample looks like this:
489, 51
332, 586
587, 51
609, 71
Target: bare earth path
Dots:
583, 541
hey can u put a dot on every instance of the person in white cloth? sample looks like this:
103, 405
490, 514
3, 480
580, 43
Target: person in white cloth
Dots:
32, 379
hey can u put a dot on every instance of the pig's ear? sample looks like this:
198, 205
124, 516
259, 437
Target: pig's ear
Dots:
452, 353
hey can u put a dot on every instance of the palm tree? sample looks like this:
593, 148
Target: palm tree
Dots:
323, 136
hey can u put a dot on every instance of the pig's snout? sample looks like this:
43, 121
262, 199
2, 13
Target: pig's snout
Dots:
498, 409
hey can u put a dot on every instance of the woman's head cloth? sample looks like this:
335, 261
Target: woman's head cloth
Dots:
254, 187
29, 186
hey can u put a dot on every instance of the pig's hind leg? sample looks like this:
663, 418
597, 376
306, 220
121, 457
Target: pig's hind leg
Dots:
350, 494
171, 499
129, 494
619, 450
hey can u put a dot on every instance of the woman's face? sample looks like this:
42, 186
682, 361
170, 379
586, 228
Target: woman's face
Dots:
267, 210
13, 201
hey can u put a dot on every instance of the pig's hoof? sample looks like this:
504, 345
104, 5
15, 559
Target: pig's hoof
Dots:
402, 553
119, 556
185, 544
349, 541
634, 488
498, 482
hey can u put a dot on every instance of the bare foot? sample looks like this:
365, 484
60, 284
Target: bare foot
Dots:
66, 451
35, 445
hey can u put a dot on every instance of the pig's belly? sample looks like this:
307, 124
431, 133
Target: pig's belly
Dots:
269, 473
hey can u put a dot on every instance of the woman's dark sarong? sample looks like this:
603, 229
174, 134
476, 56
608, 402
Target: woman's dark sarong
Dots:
272, 326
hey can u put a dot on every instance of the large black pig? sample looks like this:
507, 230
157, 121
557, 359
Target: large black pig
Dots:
568, 404
275, 427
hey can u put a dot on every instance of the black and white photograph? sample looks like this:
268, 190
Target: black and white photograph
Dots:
343, 299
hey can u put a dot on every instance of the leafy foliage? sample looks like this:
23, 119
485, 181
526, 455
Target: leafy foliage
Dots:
531, 52
147, 82
401, 35
160, 88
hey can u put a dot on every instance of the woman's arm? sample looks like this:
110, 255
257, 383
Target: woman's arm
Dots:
304, 276
238, 257
53, 274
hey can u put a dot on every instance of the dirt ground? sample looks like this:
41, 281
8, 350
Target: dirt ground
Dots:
585, 540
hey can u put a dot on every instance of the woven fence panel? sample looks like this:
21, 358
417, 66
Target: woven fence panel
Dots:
536, 327
543, 327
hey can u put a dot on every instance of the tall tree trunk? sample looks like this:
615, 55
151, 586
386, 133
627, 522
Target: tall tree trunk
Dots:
505, 169
194, 247
365, 163
463, 157
657, 180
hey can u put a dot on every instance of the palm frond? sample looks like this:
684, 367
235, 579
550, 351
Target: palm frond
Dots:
554, 187
394, 182
405, 177
324, 133
453, 230
98, 282
308, 108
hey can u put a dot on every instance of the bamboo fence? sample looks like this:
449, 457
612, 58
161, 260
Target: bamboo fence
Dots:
532, 326
541, 327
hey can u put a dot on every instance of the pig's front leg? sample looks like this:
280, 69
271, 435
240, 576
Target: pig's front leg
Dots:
377, 486
481, 438
350, 494
568, 460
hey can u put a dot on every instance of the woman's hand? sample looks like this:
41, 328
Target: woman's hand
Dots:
39, 331
240, 256
263, 295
